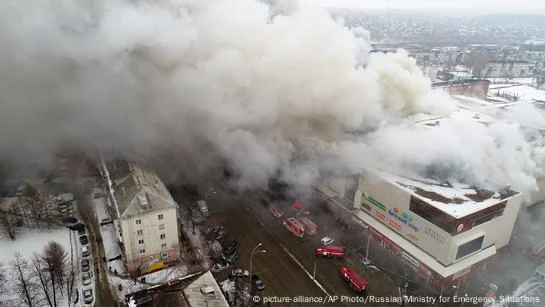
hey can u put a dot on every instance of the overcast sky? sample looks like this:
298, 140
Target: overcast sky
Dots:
497, 5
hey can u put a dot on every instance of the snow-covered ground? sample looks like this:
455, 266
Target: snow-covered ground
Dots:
108, 233
522, 92
27, 242
500, 81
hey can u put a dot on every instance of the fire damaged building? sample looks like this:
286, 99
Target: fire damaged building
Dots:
145, 215
441, 232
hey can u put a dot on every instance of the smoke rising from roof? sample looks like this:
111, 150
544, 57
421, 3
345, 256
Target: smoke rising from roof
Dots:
262, 88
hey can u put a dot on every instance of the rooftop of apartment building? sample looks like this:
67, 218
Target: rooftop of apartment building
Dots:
138, 190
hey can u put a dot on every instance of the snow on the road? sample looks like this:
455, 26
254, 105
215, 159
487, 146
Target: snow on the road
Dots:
109, 238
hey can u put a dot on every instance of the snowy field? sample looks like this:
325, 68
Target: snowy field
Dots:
27, 242
523, 92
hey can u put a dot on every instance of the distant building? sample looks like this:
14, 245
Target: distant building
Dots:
466, 87
146, 217
507, 69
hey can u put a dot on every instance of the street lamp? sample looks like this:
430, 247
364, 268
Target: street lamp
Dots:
211, 190
366, 261
254, 251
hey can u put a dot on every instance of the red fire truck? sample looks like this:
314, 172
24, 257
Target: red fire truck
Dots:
310, 227
294, 226
300, 208
275, 211
330, 251
358, 283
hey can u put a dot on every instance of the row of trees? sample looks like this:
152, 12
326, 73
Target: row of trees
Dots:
33, 209
42, 280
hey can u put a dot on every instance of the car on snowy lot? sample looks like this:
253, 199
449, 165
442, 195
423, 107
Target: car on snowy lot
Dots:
83, 240
231, 257
86, 278
240, 273
85, 265
327, 240
88, 296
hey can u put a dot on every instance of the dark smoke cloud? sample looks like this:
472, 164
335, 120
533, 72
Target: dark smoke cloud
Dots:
201, 83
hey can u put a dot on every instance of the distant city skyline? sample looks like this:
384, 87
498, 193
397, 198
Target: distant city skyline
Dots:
484, 6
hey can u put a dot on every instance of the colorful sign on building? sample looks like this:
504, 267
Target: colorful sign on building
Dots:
404, 218
374, 202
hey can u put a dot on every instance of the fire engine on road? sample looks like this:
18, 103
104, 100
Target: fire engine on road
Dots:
294, 226
358, 283
330, 251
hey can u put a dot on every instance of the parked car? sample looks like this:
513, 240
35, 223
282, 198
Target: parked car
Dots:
240, 273
105, 221
80, 227
83, 240
85, 251
220, 265
327, 240
257, 283
88, 296
330, 251
86, 278
85, 266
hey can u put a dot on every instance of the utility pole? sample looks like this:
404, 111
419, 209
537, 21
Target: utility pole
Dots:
314, 271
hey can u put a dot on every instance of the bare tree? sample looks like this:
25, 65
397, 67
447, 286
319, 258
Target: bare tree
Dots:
44, 283
24, 283
8, 222
55, 260
34, 202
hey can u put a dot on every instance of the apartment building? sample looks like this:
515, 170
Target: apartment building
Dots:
146, 216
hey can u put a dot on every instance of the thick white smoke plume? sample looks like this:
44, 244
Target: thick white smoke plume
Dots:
264, 89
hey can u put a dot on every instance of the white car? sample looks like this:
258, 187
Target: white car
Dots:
327, 240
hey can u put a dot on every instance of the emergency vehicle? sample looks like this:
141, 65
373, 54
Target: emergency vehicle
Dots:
310, 227
294, 226
330, 251
300, 208
275, 211
358, 283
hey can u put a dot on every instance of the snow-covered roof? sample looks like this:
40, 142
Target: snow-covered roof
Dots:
198, 298
455, 200
138, 190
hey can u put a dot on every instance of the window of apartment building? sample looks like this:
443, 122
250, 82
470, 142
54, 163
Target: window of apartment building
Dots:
164, 255
162, 226
163, 245
141, 241
163, 236
160, 217
469, 247
142, 251
139, 232
138, 221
